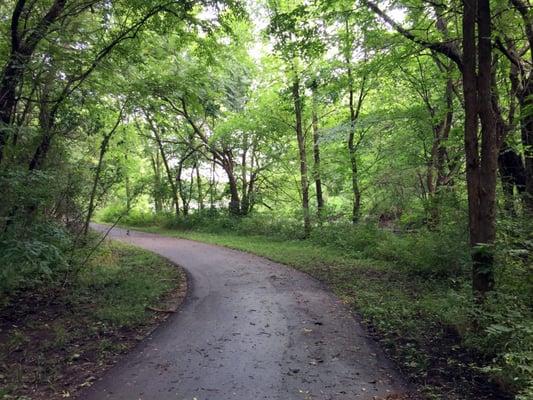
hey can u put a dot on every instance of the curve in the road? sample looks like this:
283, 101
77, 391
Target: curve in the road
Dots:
249, 329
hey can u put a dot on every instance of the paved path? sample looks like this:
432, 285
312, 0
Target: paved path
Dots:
249, 329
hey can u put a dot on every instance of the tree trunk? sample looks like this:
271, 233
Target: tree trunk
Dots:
199, 187
484, 273
316, 155
128, 193
92, 197
302, 153
158, 203
212, 187
356, 192
245, 202
46, 125
235, 202
355, 110
525, 98
481, 169
526, 127
170, 178
11, 77
179, 183
512, 174
437, 177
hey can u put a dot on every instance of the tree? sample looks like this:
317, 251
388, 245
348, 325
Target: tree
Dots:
481, 156
297, 40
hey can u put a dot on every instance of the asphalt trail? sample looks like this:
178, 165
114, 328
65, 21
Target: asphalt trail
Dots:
249, 329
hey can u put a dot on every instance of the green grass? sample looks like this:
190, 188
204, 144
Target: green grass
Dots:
121, 281
420, 321
62, 335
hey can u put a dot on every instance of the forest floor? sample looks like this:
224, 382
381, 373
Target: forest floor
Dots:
414, 319
55, 341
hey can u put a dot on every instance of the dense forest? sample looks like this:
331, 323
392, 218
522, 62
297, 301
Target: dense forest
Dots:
395, 132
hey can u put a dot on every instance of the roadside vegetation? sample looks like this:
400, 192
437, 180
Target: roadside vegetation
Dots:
58, 338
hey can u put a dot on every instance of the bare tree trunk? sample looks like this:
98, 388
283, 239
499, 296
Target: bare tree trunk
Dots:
128, 194
484, 258
47, 126
191, 186
437, 175
355, 109
302, 153
8, 87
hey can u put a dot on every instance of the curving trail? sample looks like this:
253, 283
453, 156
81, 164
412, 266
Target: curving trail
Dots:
249, 329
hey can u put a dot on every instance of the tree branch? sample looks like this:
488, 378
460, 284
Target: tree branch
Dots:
444, 48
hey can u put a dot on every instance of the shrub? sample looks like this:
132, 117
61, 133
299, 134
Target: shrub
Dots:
29, 259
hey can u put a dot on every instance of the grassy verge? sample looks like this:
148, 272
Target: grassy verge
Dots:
422, 323
56, 340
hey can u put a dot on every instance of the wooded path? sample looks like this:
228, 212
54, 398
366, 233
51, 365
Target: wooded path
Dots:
248, 329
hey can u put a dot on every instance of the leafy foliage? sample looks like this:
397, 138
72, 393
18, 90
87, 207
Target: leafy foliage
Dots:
213, 116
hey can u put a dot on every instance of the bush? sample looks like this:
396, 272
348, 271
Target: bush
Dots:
505, 335
357, 240
36, 256
426, 253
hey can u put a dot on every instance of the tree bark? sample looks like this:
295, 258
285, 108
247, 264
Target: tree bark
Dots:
437, 176
103, 150
199, 187
316, 155
525, 102
512, 174
158, 203
355, 110
481, 167
171, 182
179, 183
235, 201
212, 187
302, 154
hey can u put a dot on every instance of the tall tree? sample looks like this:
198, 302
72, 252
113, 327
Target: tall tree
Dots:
475, 64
